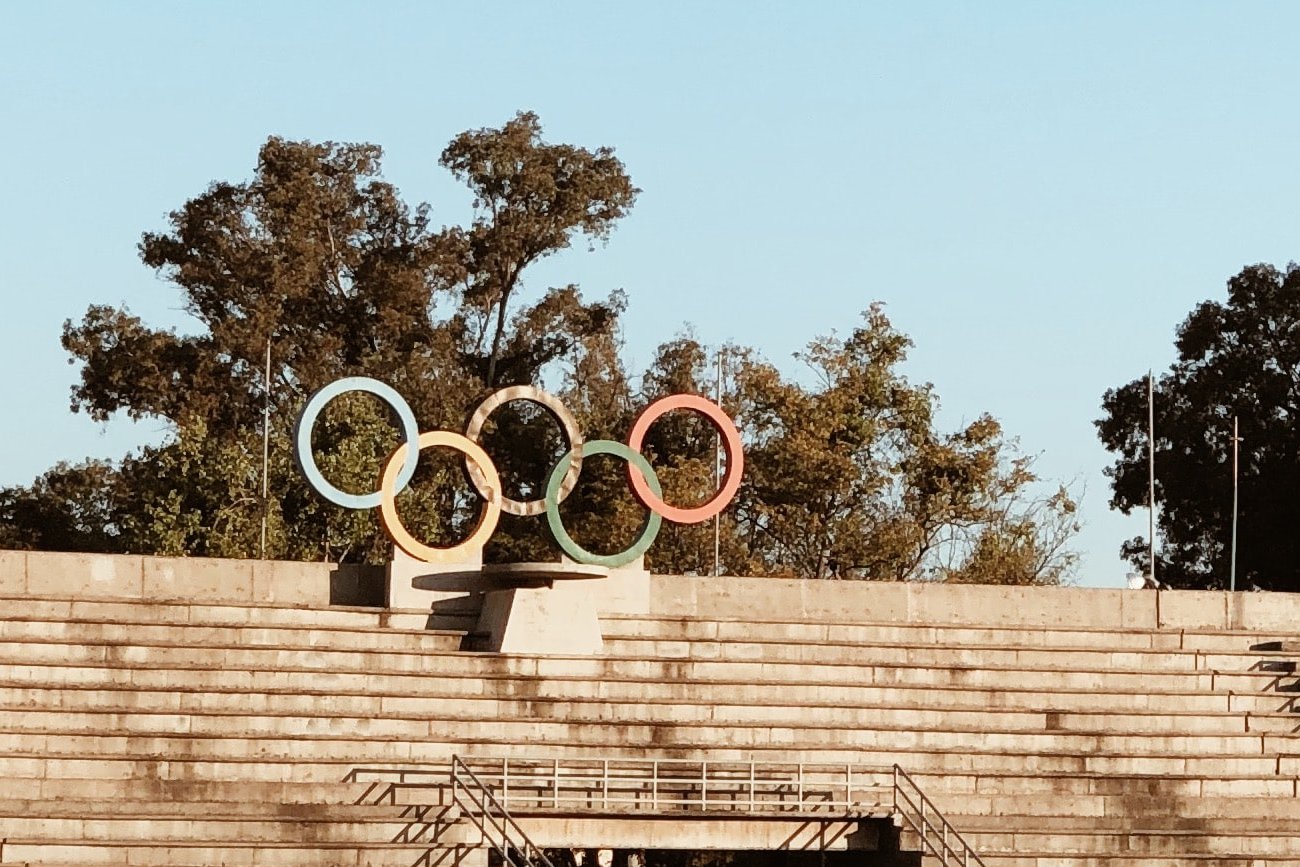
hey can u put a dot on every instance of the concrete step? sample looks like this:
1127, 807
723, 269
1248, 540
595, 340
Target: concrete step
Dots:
329, 759
1136, 810
197, 712
989, 827
204, 853
880, 653
1045, 784
1289, 646
321, 783
73, 612
1050, 793
408, 651
1017, 689
86, 793
861, 653
299, 828
209, 692
937, 633
287, 637
16, 659
1119, 859
960, 655
64, 610
1042, 813
1154, 844
887, 730
116, 808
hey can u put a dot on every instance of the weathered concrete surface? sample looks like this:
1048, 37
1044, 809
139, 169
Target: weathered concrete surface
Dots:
631, 591
765, 599
197, 578
1060, 724
13, 572
85, 575
697, 832
557, 619
178, 579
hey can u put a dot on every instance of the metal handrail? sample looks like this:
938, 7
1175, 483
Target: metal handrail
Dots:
492, 819
963, 854
653, 785
486, 792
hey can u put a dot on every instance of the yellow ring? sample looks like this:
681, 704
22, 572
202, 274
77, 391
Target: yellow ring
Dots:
490, 490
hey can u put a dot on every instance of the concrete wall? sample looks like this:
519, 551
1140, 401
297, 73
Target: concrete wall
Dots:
321, 584
1076, 607
193, 579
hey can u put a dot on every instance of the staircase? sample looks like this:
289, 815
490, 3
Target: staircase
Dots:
515, 803
935, 835
492, 820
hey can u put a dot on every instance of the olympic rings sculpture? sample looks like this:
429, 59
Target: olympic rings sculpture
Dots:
399, 468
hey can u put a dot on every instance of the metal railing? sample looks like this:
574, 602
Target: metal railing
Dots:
937, 834
492, 819
487, 789
671, 785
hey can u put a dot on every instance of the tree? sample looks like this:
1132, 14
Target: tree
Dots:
849, 478
531, 199
318, 258
68, 508
852, 480
1236, 358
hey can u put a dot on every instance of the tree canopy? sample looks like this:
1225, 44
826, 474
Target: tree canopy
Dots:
318, 259
1239, 358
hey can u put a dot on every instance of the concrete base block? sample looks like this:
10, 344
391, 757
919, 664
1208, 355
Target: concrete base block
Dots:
197, 579
560, 619
436, 588
13, 572
86, 576
626, 591
291, 583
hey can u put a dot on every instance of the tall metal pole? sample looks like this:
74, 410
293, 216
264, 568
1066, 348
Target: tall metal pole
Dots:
717, 478
1232, 570
266, 443
1151, 471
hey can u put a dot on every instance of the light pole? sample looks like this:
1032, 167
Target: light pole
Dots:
1151, 472
1232, 569
717, 476
266, 444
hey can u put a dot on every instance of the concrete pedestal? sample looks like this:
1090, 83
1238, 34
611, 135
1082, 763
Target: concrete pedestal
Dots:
427, 596
517, 607
559, 617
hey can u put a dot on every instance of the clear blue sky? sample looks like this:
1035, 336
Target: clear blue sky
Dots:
1039, 192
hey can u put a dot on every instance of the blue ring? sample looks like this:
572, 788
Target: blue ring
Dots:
302, 439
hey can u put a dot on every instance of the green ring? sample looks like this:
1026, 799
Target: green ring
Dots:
649, 530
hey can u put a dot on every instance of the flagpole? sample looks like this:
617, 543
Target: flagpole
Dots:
266, 443
1151, 473
717, 477
1232, 572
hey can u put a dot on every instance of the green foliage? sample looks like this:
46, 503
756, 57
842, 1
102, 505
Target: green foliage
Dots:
531, 198
69, 508
1235, 358
319, 258
851, 480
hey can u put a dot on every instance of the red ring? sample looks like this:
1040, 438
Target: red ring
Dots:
730, 443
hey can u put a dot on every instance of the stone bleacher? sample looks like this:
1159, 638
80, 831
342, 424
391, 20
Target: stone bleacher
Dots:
189, 712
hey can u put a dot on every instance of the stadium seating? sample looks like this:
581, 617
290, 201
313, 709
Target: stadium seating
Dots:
252, 726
